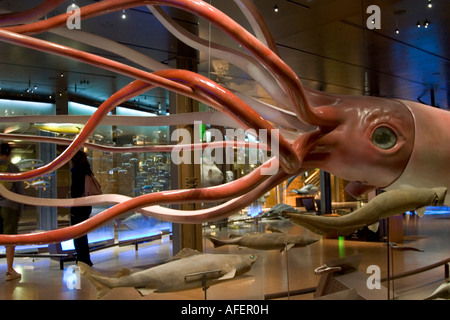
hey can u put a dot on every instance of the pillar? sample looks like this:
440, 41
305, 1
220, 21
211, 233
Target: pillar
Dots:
325, 192
185, 176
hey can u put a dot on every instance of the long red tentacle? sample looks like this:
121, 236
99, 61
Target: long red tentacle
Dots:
230, 190
194, 85
267, 57
30, 14
197, 87
129, 91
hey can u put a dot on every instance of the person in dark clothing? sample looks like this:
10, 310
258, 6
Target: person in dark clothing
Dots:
10, 212
80, 168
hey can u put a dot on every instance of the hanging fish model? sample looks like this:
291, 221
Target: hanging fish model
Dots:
61, 128
386, 204
265, 241
307, 190
29, 163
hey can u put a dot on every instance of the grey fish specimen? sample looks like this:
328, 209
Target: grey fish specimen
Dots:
184, 271
307, 190
384, 205
277, 211
265, 241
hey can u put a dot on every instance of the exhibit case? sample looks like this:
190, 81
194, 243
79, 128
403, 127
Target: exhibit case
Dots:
125, 173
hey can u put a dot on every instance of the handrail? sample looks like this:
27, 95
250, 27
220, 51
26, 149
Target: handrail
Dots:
419, 270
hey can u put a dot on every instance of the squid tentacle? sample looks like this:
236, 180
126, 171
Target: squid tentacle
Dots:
133, 89
30, 14
208, 91
238, 187
243, 61
213, 118
180, 81
267, 57
325, 147
258, 24
237, 108
151, 148
173, 215
111, 46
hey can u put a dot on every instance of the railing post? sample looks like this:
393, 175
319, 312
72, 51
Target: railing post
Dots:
446, 271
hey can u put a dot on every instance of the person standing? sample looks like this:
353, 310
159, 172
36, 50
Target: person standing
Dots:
80, 168
10, 211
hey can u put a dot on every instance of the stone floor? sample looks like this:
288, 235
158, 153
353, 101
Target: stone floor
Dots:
274, 272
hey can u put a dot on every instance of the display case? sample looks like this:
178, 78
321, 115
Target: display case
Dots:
125, 173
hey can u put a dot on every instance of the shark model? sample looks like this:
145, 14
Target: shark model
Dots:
265, 241
60, 128
184, 271
384, 205
307, 190
278, 211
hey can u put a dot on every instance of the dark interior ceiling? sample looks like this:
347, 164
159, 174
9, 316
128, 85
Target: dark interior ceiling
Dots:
326, 42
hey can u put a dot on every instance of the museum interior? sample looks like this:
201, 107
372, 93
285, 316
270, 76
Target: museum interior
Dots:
245, 149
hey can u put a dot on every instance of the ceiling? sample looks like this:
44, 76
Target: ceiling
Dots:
325, 42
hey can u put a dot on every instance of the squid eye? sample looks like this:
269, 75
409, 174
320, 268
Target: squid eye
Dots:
384, 138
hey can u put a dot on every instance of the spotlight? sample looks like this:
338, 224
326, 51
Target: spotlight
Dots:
426, 23
275, 8
124, 16
418, 24
397, 31
430, 5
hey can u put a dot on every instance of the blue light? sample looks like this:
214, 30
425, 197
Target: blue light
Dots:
438, 210
20, 108
67, 245
254, 209
76, 108
121, 111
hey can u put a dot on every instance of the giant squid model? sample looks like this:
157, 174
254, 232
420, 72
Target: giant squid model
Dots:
370, 141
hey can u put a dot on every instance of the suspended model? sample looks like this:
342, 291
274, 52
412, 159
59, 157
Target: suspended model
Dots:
370, 141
